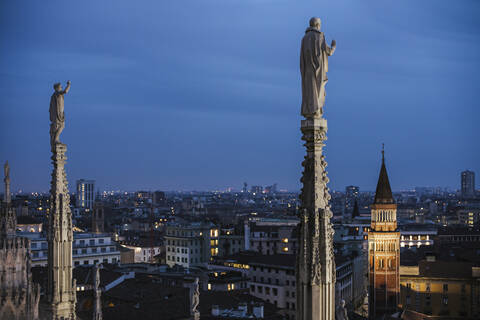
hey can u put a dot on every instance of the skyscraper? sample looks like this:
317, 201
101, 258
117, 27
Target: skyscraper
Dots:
383, 250
351, 195
85, 193
468, 184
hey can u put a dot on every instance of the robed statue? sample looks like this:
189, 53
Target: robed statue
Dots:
57, 116
314, 67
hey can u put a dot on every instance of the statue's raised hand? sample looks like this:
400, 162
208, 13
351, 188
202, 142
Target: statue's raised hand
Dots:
334, 43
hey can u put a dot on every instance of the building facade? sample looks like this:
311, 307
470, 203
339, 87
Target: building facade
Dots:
271, 236
383, 251
441, 289
88, 249
191, 244
272, 278
467, 184
143, 251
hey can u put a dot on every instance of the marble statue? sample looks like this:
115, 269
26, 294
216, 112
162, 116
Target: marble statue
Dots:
314, 67
57, 116
195, 297
341, 313
97, 292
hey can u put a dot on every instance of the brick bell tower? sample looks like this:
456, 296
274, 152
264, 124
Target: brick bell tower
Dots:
383, 250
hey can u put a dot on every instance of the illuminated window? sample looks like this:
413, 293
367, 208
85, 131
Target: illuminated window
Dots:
285, 249
209, 286
285, 240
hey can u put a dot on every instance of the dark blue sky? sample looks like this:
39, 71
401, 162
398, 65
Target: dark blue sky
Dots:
206, 94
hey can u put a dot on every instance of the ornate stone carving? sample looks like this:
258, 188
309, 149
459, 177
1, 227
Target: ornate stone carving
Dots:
18, 295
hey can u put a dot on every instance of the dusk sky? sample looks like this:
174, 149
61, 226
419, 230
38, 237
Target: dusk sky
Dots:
204, 95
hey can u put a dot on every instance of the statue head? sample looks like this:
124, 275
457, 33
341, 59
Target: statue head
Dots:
57, 86
315, 23
342, 303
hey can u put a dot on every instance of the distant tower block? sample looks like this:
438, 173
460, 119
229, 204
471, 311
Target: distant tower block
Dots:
85, 193
98, 217
383, 251
467, 184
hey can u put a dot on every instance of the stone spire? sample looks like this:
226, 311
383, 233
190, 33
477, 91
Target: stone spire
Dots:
8, 217
61, 288
97, 291
383, 194
315, 270
7, 196
19, 297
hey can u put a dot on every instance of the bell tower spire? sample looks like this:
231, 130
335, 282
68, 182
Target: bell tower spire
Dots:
383, 249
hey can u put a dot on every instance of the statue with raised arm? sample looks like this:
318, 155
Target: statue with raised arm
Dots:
314, 67
57, 116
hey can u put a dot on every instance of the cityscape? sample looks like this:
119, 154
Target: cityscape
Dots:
229, 238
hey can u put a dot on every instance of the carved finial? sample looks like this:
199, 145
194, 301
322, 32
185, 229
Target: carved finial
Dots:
383, 152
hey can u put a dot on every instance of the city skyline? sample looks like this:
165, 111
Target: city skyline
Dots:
142, 113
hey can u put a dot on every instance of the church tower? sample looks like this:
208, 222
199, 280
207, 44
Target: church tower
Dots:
383, 250
98, 217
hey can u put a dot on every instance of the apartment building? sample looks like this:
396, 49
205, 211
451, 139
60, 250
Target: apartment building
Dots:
88, 248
